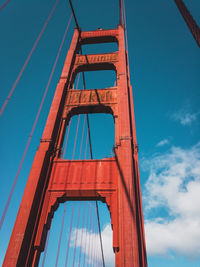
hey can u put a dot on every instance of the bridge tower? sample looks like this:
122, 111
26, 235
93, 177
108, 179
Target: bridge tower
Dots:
114, 180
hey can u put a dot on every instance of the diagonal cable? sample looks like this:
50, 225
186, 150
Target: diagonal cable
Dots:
27, 60
33, 128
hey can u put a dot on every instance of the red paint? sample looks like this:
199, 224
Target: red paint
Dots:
114, 180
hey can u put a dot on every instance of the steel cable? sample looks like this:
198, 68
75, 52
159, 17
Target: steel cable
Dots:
33, 128
27, 60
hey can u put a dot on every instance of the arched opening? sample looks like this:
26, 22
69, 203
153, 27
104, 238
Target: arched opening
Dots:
74, 240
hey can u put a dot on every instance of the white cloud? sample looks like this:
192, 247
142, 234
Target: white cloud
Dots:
185, 117
163, 142
174, 186
94, 247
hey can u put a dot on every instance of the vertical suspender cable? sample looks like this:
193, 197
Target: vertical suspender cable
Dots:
88, 124
89, 243
60, 237
86, 232
79, 260
70, 231
79, 201
76, 136
69, 239
65, 147
99, 228
33, 128
90, 254
61, 231
27, 60
86, 245
91, 155
86, 145
79, 209
82, 137
90, 136
94, 239
45, 250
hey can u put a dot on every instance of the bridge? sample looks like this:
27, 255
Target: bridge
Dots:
55, 179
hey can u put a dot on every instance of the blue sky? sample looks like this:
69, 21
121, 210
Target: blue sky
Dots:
164, 69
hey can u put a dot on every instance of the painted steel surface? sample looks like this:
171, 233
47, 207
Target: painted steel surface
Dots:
53, 180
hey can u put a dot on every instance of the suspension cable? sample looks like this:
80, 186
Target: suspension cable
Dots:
99, 228
79, 209
79, 201
125, 30
65, 147
94, 239
88, 124
190, 21
77, 26
76, 136
45, 249
5, 4
120, 13
82, 137
70, 231
75, 141
90, 254
61, 231
33, 128
60, 237
86, 145
27, 60
91, 155
79, 261
87, 243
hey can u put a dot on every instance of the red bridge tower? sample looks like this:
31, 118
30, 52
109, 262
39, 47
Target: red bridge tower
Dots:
114, 180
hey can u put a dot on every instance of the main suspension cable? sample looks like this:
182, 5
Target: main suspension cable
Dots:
190, 21
33, 128
125, 30
27, 60
77, 26
5, 4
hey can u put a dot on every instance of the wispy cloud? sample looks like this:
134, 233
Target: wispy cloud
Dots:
163, 142
173, 186
184, 117
91, 245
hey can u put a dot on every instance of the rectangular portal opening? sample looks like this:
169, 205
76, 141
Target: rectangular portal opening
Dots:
77, 137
